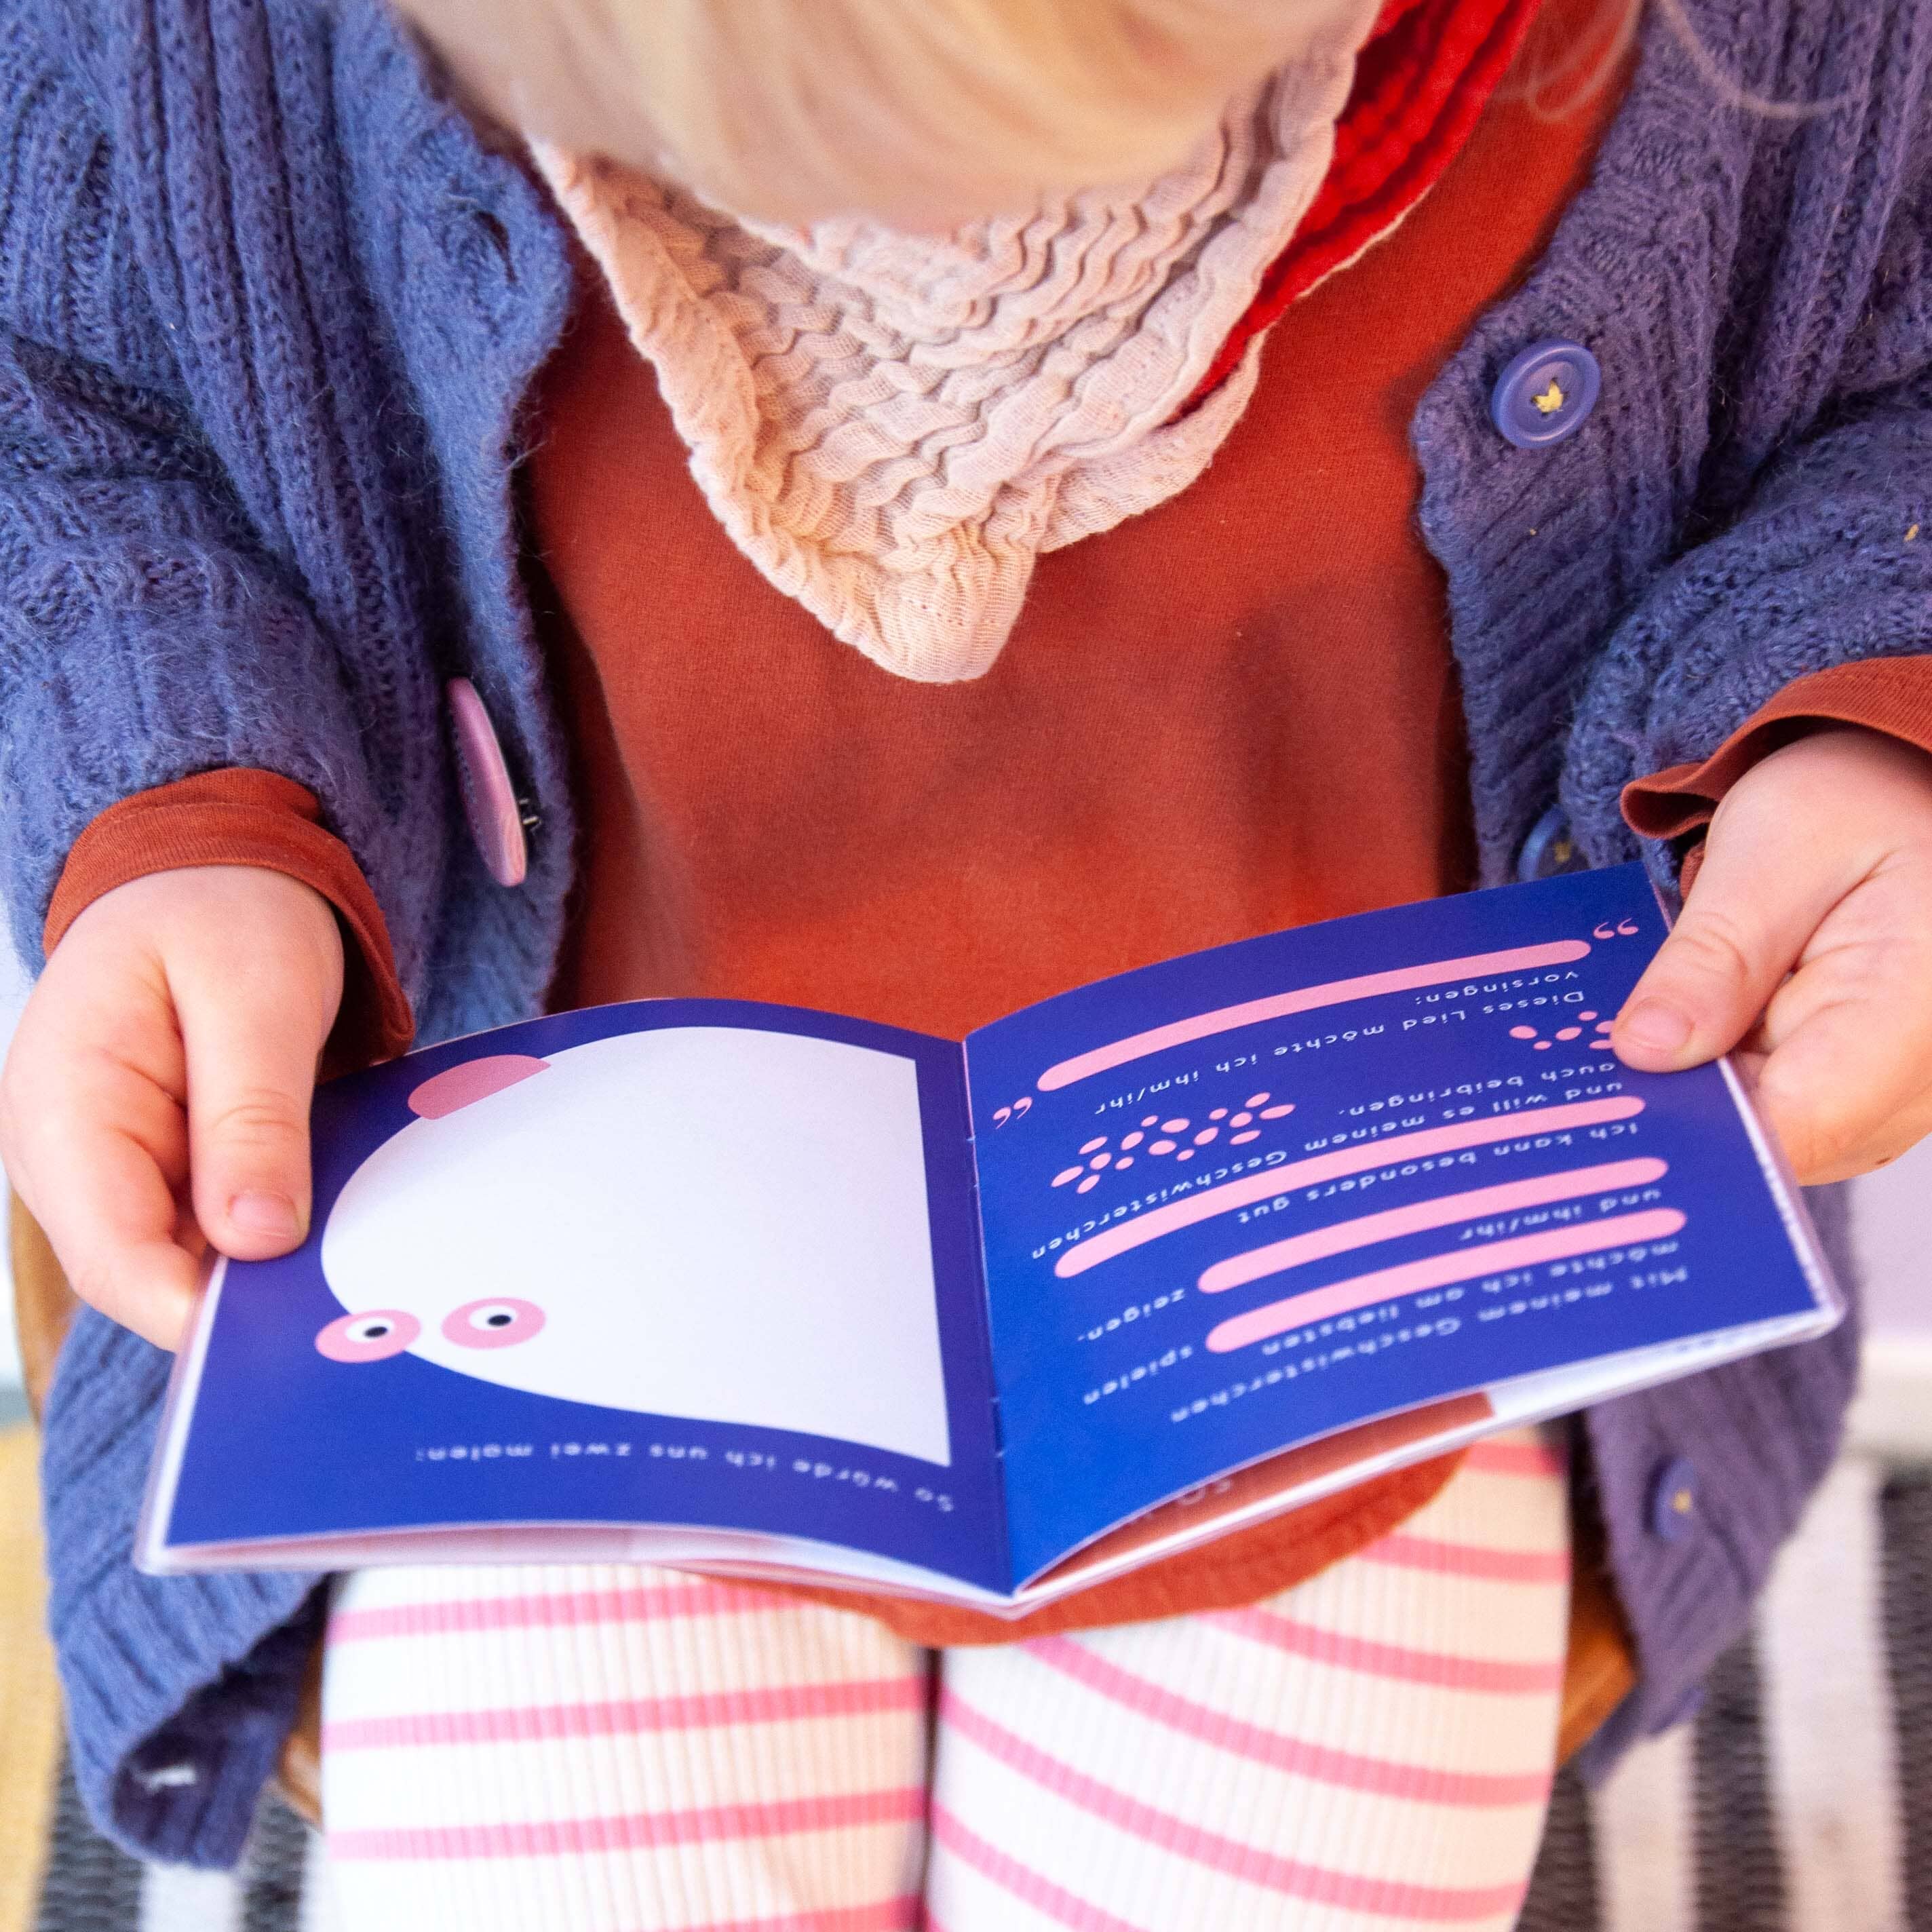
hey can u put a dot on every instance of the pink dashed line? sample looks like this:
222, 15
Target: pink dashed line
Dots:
1364, 1290
1443, 1211
1230, 1195
1307, 999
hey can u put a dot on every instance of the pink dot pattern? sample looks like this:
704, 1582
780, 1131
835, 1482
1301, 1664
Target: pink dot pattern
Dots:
1097, 1157
1600, 1044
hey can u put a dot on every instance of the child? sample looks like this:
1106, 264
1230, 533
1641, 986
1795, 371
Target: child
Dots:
922, 593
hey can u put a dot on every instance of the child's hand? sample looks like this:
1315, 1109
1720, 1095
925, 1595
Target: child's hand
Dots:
1818, 866
157, 1095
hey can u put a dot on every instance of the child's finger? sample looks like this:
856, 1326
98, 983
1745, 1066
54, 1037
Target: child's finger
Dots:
111, 1216
1758, 897
1845, 1047
251, 1061
1844, 1095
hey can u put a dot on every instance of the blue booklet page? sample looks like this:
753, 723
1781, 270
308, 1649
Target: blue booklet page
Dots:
683, 1262
1247, 1198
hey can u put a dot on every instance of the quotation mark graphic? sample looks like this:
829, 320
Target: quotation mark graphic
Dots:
1018, 1111
1601, 1044
1099, 1155
1623, 929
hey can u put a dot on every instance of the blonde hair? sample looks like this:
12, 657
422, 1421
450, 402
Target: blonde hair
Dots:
791, 108
928, 112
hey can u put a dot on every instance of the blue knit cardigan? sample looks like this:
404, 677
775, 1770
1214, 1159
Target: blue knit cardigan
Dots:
268, 311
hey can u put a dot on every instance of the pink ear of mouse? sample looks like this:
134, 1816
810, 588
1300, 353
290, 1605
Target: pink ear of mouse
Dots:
458, 1087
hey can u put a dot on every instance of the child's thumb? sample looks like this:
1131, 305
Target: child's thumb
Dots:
1757, 900
250, 1059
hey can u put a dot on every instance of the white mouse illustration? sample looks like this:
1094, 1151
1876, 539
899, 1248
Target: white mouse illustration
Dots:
714, 1222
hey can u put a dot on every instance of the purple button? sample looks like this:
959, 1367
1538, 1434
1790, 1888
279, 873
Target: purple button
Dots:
1546, 394
1673, 1500
1549, 849
489, 798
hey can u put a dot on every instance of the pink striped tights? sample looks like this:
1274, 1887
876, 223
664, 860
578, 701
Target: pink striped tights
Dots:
622, 1750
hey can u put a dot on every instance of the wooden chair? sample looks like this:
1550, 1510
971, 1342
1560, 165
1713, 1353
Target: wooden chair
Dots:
1598, 1675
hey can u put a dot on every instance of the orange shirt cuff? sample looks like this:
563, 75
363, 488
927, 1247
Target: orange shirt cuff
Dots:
1893, 695
239, 817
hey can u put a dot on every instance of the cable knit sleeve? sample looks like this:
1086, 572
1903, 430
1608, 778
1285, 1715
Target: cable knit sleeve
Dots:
1828, 567
158, 619
141, 640
1809, 548
176, 594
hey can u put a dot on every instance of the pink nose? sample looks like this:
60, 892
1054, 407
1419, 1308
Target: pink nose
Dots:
474, 1080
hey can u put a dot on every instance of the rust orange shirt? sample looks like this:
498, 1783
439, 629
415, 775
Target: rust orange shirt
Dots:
1235, 712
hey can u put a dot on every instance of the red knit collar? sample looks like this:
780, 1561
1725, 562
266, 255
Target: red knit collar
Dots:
1421, 80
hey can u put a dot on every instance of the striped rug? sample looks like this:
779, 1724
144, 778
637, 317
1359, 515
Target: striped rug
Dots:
1800, 1801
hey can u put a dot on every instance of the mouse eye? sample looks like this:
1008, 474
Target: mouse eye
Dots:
373, 1336
499, 1323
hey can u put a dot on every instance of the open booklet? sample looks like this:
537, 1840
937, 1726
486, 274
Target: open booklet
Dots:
776, 1293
